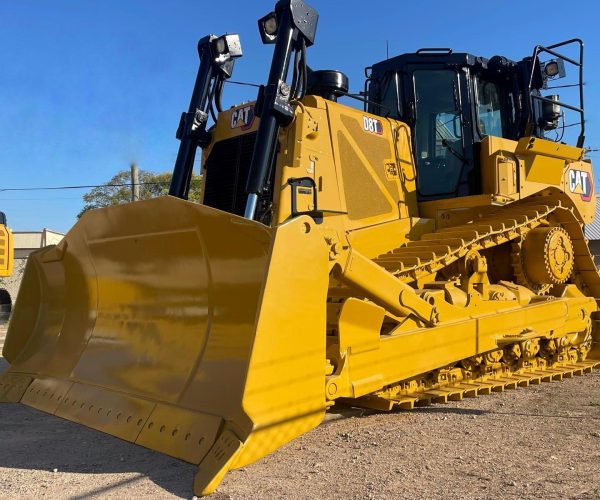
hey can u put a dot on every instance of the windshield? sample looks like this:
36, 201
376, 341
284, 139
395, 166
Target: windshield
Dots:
438, 132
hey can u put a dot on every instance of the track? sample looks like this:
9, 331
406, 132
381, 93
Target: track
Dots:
421, 258
419, 261
502, 379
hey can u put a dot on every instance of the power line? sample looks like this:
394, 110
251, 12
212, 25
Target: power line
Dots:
54, 188
248, 84
7, 200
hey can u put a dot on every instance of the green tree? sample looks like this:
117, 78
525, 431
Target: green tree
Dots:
118, 190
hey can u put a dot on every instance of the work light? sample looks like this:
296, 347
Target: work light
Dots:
268, 27
555, 68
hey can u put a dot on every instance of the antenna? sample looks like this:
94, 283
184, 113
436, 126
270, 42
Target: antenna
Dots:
387, 49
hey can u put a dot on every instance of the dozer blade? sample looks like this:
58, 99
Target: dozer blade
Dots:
181, 328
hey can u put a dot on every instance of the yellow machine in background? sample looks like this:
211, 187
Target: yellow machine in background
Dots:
425, 249
6, 263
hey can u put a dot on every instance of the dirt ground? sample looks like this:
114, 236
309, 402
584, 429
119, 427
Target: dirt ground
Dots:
540, 442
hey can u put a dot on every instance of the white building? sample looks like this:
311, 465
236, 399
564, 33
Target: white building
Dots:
28, 241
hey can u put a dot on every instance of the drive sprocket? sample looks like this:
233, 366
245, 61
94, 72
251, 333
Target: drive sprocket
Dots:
543, 257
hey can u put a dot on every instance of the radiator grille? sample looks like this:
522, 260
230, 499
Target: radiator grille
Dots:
227, 168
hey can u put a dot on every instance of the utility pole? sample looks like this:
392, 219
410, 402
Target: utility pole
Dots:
135, 182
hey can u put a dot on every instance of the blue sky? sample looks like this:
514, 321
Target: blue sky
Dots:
88, 86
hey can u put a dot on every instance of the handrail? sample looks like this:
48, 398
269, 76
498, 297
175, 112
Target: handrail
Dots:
550, 50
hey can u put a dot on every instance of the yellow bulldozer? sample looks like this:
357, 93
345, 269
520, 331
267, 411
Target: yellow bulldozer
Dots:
6, 264
426, 246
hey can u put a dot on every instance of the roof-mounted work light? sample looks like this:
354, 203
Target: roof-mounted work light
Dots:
555, 68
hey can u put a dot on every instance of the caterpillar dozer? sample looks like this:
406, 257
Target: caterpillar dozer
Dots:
423, 248
6, 264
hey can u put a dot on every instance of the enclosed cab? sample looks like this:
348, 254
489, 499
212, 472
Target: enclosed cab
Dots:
454, 101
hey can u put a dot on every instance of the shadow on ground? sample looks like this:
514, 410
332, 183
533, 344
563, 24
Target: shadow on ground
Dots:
471, 411
32, 439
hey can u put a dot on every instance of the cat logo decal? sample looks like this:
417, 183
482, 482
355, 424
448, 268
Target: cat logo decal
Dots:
242, 117
581, 182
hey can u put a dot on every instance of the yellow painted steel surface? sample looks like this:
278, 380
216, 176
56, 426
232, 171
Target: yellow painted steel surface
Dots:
513, 171
6, 251
216, 339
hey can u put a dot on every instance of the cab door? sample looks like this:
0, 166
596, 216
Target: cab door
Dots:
437, 98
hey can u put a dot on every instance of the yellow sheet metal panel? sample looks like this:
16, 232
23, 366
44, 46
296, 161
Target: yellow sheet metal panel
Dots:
55, 311
498, 166
374, 164
137, 300
25, 312
544, 169
144, 282
308, 152
360, 326
361, 165
454, 211
530, 146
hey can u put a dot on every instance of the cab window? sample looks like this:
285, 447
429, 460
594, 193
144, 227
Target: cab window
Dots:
495, 109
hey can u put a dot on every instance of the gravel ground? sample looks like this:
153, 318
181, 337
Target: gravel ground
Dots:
540, 442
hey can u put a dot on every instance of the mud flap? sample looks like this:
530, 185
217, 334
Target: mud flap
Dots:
184, 329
